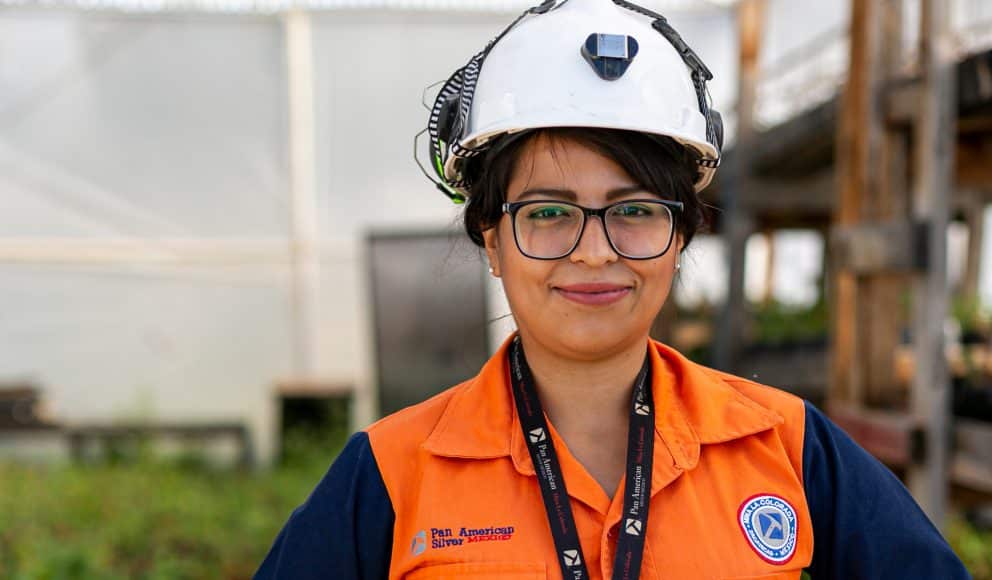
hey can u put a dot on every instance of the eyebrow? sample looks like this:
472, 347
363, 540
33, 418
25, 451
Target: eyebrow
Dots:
570, 195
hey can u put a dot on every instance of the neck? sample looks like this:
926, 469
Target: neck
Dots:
586, 395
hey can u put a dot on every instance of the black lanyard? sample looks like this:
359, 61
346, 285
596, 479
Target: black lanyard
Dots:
637, 488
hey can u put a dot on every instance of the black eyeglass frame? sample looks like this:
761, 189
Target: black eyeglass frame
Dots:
675, 207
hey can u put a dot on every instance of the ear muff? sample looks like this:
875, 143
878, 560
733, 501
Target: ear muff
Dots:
716, 121
447, 117
439, 142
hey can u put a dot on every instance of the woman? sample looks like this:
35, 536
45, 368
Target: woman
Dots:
580, 139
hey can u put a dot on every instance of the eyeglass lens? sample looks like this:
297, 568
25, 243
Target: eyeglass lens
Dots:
638, 229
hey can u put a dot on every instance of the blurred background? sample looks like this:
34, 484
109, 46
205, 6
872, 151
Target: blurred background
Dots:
218, 257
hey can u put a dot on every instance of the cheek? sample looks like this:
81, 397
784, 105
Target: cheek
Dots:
656, 278
521, 275
525, 280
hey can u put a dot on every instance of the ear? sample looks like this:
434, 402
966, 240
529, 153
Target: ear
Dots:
491, 237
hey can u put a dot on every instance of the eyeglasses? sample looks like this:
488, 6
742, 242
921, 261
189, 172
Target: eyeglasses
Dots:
637, 229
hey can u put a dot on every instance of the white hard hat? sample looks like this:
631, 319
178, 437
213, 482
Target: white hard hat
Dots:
575, 63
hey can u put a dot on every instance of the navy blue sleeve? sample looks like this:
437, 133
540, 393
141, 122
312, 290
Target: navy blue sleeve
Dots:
865, 522
343, 530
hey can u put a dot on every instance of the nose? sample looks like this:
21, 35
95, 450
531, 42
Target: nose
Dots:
594, 249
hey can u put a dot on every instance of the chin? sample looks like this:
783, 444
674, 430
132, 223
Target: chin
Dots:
591, 340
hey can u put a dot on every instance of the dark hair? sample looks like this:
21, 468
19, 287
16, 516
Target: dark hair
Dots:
659, 164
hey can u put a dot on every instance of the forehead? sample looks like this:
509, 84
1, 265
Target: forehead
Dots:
560, 163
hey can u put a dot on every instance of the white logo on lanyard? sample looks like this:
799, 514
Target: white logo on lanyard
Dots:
537, 435
572, 557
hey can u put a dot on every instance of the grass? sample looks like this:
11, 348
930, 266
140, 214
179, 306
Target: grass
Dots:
974, 547
152, 519
147, 519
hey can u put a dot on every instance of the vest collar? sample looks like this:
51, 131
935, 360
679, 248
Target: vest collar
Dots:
694, 405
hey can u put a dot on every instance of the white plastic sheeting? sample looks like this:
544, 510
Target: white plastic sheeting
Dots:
274, 6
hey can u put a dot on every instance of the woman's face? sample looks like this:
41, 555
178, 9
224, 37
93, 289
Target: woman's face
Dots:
591, 303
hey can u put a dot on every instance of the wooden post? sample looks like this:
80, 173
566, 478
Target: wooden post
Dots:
935, 138
888, 203
871, 160
975, 219
737, 223
859, 142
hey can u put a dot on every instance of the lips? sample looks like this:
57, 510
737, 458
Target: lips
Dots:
594, 293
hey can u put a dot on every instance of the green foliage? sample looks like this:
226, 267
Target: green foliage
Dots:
971, 315
974, 547
149, 519
776, 323
182, 519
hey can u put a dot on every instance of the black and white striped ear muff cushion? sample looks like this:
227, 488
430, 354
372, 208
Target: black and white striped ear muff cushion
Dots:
449, 116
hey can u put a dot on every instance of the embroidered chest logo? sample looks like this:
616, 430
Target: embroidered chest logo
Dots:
419, 543
769, 525
441, 538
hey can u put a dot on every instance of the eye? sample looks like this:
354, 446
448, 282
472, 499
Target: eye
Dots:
548, 212
629, 210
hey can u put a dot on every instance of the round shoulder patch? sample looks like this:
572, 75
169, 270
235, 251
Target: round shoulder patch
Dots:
769, 525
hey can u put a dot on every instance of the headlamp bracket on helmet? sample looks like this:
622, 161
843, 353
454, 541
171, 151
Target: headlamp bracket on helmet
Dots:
609, 54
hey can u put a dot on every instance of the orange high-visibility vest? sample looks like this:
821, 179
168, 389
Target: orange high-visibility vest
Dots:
458, 464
